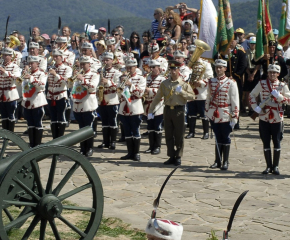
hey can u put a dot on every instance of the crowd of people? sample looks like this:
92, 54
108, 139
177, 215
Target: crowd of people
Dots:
160, 79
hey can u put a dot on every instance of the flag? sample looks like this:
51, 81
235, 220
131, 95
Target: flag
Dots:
284, 26
264, 29
207, 26
225, 30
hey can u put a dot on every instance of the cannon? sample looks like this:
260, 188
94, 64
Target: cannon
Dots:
43, 199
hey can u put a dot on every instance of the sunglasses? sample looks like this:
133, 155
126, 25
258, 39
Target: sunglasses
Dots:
183, 42
115, 34
155, 14
170, 18
136, 37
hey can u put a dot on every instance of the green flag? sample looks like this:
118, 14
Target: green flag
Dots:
264, 29
225, 29
284, 28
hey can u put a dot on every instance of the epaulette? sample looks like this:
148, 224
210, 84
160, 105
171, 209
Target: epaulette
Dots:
240, 47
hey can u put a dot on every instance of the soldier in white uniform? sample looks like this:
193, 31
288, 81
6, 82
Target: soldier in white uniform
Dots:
222, 109
154, 126
34, 51
87, 50
154, 51
184, 70
33, 86
57, 93
118, 61
8, 93
67, 56
201, 72
85, 100
130, 92
108, 101
275, 93
144, 65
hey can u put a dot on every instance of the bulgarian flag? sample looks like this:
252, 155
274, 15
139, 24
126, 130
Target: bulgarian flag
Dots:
284, 26
225, 27
264, 29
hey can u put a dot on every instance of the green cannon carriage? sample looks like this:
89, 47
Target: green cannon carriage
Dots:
44, 198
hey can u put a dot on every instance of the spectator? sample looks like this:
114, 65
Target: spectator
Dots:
46, 39
188, 27
158, 23
146, 36
94, 38
135, 43
15, 33
116, 35
42, 50
102, 33
66, 32
23, 47
173, 23
276, 34
194, 36
121, 32
35, 32
241, 39
101, 46
182, 7
75, 42
184, 46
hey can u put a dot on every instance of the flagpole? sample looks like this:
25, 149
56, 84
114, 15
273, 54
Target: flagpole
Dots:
264, 26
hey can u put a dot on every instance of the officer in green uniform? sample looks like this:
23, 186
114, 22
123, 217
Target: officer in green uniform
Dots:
176, 93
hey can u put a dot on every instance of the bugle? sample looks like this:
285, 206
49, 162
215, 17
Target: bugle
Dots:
74, 77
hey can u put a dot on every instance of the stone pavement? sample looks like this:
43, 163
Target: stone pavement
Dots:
198, 197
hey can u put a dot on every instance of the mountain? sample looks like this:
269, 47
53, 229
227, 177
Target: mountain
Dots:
133, 15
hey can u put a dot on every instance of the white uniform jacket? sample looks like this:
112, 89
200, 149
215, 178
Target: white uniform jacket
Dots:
68, 57
18, 57
131, 98
185, 72
222, 104
84, 92
33, 90
8, 90
57, 85
201, 92
110, 96
153, 83
273, 112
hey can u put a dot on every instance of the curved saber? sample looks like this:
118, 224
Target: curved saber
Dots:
235, 208
7, 21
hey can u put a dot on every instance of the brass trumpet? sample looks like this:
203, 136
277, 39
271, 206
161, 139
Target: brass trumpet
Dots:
74, 78
122, 85
21, 78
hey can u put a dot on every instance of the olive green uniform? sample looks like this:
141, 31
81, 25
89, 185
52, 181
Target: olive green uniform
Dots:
173, 113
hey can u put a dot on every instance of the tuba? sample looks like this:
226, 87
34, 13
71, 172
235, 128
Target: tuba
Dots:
14, 42
198, 69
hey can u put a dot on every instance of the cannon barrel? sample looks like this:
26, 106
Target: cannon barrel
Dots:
66, 140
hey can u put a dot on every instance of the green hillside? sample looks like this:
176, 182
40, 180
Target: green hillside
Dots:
133, 15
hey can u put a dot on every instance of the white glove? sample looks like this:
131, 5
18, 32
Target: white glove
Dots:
275, 93
178, 89
258, 109
150, 116
232, 123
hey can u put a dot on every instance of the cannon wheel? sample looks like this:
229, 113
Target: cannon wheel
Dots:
45, 204
10, 136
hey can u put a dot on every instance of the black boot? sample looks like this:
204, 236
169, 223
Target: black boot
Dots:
205, 126
11, 126
95, 124
106, 138
226, 153
151, 142
67, 116
31, 137
5, 124
37, 136
276, 159
136, 149
191, 123
89, 147
171, 160
54, 129
268, 158
83, 148
130, 146
113, 132
218, 156
61, 129
122, 139
157, 142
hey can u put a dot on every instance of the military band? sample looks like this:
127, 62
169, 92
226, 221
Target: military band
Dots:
113, 86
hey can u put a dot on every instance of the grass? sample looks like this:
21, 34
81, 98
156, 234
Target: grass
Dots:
108, 229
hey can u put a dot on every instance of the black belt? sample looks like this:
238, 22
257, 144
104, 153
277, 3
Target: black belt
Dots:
174, 107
